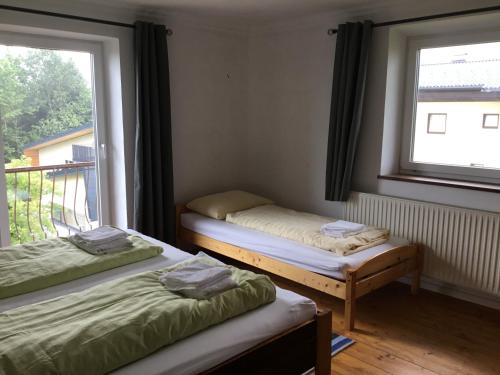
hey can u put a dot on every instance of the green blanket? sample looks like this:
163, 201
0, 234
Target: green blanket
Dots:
40, 264
118, 322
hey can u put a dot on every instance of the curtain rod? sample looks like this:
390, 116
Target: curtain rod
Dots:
71, 17
431, 17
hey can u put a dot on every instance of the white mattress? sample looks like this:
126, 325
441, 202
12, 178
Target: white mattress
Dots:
296, 253
205, 349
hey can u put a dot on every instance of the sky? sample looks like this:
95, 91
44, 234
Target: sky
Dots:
82, 60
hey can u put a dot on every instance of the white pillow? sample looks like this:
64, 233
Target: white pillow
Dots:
219, 205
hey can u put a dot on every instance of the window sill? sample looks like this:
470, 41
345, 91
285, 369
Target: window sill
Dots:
460, 184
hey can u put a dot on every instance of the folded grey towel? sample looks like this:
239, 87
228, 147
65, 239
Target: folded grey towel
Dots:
199, 280
195, 274
111, 247
209, 291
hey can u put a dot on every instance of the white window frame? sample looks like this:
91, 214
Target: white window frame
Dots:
429, 117
4, 207
485, 115
408, 166
99, 114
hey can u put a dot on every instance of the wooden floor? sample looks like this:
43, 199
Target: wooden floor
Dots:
398, 333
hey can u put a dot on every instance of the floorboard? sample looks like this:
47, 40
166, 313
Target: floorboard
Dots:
401, 334
398, 333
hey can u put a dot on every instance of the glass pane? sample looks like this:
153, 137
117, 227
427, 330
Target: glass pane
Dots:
47, 122
436, 123
458, 102
490, 121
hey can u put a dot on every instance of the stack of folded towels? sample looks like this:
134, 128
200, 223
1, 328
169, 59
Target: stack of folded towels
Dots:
103, 240
199, 280
342, 229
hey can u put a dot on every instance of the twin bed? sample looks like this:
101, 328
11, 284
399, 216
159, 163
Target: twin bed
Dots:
346, 277
287, 336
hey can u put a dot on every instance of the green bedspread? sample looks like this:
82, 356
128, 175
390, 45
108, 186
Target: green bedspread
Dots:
115, 323
40, 264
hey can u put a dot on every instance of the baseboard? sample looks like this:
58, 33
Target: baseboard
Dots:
459, 292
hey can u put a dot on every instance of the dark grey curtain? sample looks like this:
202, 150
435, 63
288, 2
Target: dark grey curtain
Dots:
349, 77
154, 211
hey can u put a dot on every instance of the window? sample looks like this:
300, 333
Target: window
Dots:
53, 181
83, 153
490, 121
452, 88
436, 123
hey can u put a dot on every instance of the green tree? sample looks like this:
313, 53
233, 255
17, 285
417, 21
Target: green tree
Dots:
13, 94
40, 95
29, 196
59, 97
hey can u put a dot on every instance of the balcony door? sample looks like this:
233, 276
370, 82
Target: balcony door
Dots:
52, 138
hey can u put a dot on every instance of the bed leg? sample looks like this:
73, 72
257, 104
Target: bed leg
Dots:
415, 281
350, 300
323, 343
178, 211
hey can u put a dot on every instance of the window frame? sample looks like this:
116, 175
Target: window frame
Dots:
99, 111
490, 114
429, 116
4, 207
407, 166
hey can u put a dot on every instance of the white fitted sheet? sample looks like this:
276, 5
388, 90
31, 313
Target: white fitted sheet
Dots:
308, 257
205, 349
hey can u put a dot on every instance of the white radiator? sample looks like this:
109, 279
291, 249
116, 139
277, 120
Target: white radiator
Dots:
462, 246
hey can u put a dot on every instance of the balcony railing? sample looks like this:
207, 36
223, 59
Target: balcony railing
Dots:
50, 201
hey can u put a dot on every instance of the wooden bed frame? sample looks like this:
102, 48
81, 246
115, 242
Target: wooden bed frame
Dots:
374, 273
292, 352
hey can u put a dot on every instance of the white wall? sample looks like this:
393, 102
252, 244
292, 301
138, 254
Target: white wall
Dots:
288, 112
290, 81
208, 72
465, 140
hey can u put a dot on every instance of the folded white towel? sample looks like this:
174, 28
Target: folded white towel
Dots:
101, 235
199, 280
342, 229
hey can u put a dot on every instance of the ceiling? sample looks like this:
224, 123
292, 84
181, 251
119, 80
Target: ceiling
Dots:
246, 9
251, 14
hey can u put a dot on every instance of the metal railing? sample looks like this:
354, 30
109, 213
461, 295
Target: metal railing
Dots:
53, 200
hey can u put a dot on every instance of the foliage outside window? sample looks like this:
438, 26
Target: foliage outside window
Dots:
41, 95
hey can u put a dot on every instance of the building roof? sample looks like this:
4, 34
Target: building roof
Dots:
482, 75
60, 137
